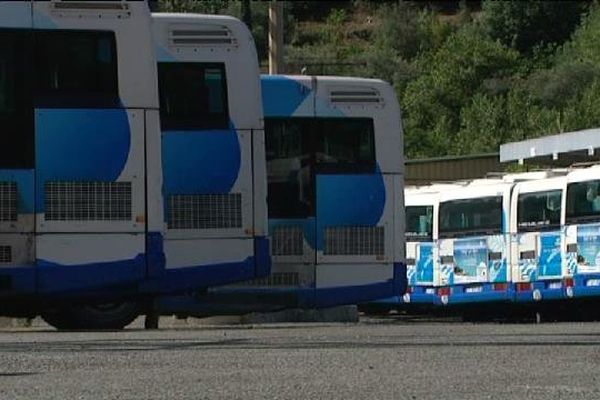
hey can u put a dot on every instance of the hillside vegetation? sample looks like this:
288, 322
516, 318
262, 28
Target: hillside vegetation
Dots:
467, 81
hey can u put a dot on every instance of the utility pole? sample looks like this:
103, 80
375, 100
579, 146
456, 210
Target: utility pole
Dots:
276, 37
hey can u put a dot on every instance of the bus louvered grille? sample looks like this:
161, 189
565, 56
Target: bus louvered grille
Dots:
5, 254
288, 241
355, 241
8, 201
275, 279
88, 201
210, 35
205, 211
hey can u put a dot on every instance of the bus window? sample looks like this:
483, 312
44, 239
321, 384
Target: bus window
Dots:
538, 211
299, 147
471, 216
76, 69
288, 168
419, 223
16, 107
193, 96
344, 145
583, 201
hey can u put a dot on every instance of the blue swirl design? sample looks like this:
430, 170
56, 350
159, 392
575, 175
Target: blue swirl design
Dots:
348, 200
80, 145
200, 162
281, 95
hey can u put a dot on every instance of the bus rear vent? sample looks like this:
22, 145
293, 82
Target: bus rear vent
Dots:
359, 95
88, 201
8, 201
355, 241
205, 211
288, 241
209, 35
96, 9
5, 254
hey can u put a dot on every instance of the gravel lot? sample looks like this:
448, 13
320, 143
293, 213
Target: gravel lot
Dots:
375, 359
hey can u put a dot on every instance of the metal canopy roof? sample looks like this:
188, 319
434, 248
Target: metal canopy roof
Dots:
560, 150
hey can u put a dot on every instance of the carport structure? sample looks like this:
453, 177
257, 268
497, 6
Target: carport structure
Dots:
560, 150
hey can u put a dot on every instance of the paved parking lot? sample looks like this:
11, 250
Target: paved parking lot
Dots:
375, 359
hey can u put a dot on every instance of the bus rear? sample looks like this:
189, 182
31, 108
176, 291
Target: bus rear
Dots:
109, 195
335, 197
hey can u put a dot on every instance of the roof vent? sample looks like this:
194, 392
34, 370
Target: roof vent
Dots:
357, 95
208, 35
93, 9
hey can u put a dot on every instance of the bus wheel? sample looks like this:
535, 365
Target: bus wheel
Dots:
108, 316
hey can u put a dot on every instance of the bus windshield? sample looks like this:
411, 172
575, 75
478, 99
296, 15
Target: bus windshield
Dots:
538, 211
583, 201
471, 216
419, 223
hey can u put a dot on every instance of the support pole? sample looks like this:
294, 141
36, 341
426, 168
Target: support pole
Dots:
276, 38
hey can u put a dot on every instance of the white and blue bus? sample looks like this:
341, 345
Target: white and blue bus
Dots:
125, 175
474, 243
536, 221
335, 195
582, 231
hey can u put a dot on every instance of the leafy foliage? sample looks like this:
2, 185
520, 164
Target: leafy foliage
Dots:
466, 82
525, 25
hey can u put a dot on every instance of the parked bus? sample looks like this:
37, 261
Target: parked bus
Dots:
105, 202
474, 243
582, 231
335, 197
536, 221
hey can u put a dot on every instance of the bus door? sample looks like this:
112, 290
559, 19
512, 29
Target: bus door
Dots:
539, 236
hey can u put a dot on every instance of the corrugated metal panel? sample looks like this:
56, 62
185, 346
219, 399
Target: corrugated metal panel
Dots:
424, 171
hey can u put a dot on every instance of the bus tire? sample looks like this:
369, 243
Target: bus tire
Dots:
110, 316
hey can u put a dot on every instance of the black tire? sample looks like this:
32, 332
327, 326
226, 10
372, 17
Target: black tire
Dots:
110, 316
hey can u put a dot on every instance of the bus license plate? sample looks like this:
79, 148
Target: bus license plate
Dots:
555, 285
474, 289
593, 282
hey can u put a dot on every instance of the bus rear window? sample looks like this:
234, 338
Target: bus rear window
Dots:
583, 201
419, 223
76, 68
538, 211
193, 96
299, 148
479, 216
344, 144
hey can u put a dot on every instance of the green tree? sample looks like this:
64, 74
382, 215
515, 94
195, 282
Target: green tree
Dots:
525, 25
202, 7
452, 75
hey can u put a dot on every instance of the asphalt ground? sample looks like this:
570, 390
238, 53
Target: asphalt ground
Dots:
386, 358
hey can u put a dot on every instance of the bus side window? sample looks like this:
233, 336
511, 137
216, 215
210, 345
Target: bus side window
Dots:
193, 96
